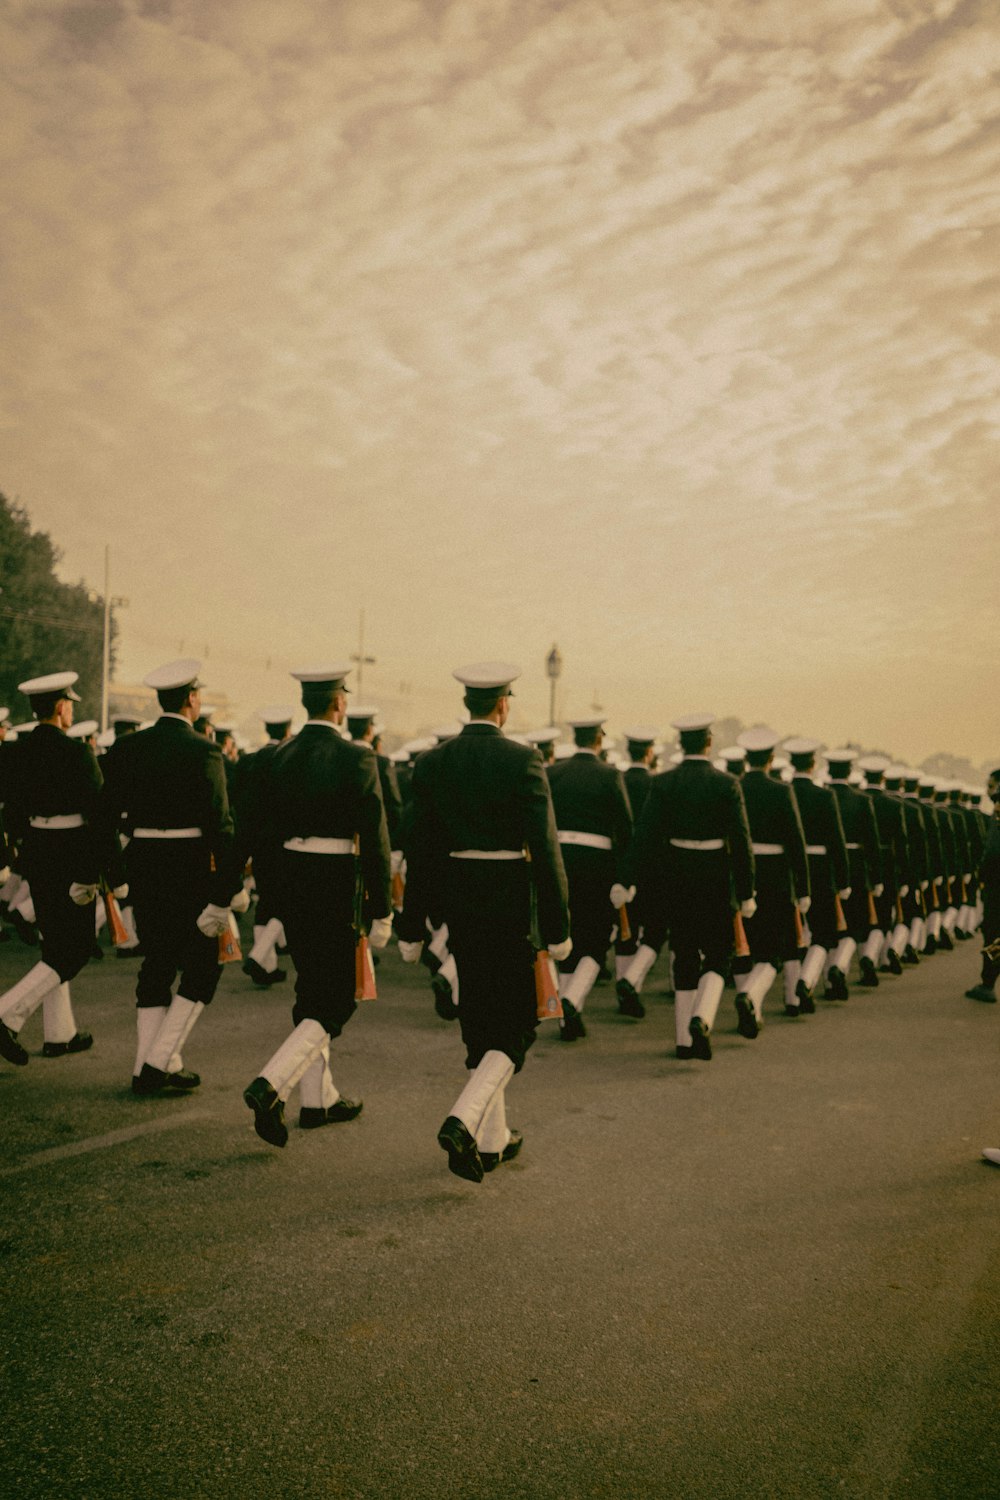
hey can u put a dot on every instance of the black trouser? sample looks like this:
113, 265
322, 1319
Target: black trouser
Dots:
589, 874
317, 911
822, 918
990, 932
52, 860
772, 932
488, 911
699, 914
170, 886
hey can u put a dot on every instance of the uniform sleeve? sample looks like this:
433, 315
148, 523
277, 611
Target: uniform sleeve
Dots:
870, 841
901, 845
218, 829
424, 847
373, 836
621, 827
393, 801
740, 844
837, 846
105, 845
547, 871
795, 848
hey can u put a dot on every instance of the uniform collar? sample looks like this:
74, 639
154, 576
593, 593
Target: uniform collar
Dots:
320, 724
480, 726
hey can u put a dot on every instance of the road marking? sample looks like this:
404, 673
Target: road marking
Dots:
101, 1142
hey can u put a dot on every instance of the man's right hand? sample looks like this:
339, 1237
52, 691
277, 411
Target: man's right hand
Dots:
748, 908
214, 920
559, 952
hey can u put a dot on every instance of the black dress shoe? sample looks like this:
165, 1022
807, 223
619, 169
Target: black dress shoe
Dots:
746, 1019
945, 940
931, 945
263, 978
892, 962
334, 1114
182, 1082
701, 1047
571, 1026
982, 992
869, 978
792, 1011
836, 985
268, 1112
629, 1003
910, 955
11, 1048
805, 996
463, 1153
961, 934
493, 1159
685, 1054
78, 1043
444, 999
150, 1080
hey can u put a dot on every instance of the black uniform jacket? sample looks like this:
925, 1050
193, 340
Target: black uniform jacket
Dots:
319, 785
481, 791
391, 798
692, 801
168, 776
589, 796
637, 779
891, 821
857, 816
916, 841
46, 774
821, 825
773, 815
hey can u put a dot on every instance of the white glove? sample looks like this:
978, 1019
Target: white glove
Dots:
559, 952
410, 952
748, 908
968, 877
904, 890
924, 884
82, 895
5, 874
621, 895
240, 901
380, 931
939, 880
214, 920
803, 904
845, 894
120, 892
878, 889
395, 862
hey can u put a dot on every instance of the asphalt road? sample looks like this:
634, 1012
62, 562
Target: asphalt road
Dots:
777, 1274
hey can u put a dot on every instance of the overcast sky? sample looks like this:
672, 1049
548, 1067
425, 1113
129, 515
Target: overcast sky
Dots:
663, 329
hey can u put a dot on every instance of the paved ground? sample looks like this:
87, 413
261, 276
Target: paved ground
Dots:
774, 1275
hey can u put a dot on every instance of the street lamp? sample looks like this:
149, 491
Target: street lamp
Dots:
553, 670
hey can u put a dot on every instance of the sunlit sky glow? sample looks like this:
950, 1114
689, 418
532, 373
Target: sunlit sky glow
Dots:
666, 331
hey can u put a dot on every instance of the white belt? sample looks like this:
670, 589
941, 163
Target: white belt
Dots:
61, 820
698, 843
853, 846
588, 840
320, 846
815, 848
166, 833
769, 848
487, 854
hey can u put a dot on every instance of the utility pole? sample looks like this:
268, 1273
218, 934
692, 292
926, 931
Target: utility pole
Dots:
553, 670
109, 604
359, 655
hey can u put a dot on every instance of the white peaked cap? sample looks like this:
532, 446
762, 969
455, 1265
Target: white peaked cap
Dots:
800, 746
56, 682
334, 671
447, 731
83, 730
781, 762
106, 739
173, 674
757, 739
24, 728
276, 713
733, 752
362, 711
641, 734
842, 757
546, 736
591, 721
693, 721
487, 675
874, 763
563, 752
895, 772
